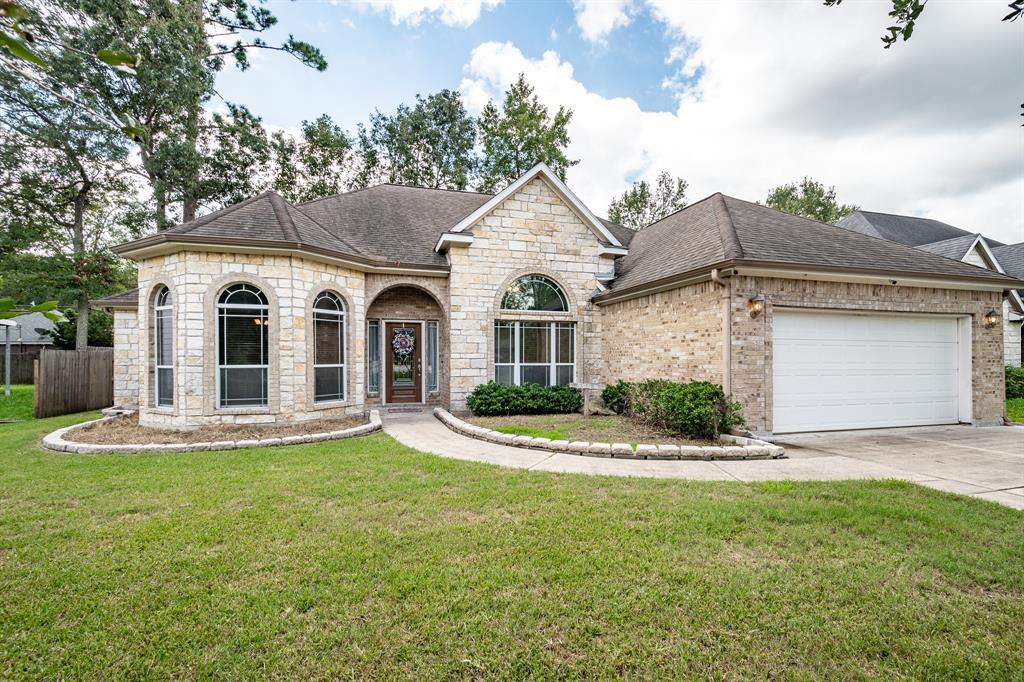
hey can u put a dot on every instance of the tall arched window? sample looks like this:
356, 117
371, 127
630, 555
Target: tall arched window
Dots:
328, 348
163, 343
534, 351
243, 328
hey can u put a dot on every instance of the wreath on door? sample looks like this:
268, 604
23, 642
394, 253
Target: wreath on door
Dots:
403, 343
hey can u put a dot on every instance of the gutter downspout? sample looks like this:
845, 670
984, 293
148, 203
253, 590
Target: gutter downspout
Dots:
716, 277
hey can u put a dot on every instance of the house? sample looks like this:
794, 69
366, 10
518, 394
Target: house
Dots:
30, 334
952, 242
267, 311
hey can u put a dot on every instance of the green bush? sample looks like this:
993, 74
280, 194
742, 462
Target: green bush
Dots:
615, 396
1014, 382
498, 399
698, 409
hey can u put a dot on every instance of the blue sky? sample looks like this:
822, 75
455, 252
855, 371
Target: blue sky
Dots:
732, 95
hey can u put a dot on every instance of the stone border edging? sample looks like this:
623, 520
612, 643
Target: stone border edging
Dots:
742, 448
56, 441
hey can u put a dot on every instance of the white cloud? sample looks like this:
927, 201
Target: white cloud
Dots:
460, 13
929, 127
597, 18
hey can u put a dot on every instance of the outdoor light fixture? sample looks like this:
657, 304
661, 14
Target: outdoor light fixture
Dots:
990, 320
755, 306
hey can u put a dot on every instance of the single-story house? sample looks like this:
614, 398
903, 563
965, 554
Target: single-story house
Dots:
953, 242
30, 334
267, 311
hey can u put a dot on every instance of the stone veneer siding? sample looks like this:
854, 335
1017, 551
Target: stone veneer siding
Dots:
675, 334
127, 356
533, 231
1011, 337
290, 282
751, 382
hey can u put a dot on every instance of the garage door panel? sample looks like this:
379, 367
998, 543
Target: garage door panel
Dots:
836, 371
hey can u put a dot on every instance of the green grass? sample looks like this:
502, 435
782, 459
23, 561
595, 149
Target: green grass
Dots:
1015, 409
365, 559
554, 434
19, 406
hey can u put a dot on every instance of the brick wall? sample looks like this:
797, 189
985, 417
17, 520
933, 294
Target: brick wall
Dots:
674, 334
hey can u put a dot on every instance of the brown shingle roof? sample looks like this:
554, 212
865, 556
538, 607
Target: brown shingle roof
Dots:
125, 299
721, 229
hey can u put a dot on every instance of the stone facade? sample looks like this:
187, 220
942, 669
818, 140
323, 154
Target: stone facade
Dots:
751, 350
531, 232
127, 358
679, 332
1011, 336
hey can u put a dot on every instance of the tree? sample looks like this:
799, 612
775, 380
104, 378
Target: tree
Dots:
811, 200
65, 332
430, 144
905, 14
314, 165
57, 168
521, 135
641, 206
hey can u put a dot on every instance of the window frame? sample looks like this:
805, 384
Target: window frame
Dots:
544, 279
220, 330
373, 375
433, 378
163, 307
342, 313
517, 364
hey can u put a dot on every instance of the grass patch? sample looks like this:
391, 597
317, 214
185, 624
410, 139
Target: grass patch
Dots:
20, 406
609, 429
1015, 410
365, 559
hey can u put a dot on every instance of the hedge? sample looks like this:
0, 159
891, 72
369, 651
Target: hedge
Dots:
1014, 382
498, 399
698, 409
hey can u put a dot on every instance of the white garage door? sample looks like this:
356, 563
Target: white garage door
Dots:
840, 371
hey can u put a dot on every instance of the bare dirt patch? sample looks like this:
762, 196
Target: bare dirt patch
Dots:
594, 429
127, 431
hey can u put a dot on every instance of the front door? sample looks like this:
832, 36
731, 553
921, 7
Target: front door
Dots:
402, 377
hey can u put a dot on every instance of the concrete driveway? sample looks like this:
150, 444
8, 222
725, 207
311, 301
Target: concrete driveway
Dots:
981, 462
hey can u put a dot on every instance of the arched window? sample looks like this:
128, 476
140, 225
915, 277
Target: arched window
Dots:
534, 351
243, 328
328, 348
534, 292
163, 343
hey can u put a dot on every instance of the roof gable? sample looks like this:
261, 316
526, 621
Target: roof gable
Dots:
541, 170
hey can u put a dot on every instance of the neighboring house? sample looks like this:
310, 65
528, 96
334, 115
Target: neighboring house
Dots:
267, 311
29, 336
952, 242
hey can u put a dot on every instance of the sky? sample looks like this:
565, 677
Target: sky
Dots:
734, 96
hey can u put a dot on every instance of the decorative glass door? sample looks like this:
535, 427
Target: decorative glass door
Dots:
403, 375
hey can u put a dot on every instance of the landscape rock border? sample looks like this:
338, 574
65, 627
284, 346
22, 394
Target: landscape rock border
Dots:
738, 448
57, 442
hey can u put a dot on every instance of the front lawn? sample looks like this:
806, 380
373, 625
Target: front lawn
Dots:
1015, 409
605, 429
365, 559
20, 405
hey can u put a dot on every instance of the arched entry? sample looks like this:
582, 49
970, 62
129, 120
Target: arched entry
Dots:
406, 336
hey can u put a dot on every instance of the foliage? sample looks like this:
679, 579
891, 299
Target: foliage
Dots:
809, 199
698, 409
1015, 410
493, 398
101, 330
641, 205
521, 135
430, 144
905, 14
1014, 382
615, 396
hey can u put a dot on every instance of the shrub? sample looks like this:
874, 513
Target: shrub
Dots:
498, 399
615, 396
698, 409
1014, 382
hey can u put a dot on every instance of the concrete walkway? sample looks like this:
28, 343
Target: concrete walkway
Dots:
424, 432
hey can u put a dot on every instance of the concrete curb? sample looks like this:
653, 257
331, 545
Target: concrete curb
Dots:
733, 448
57, 442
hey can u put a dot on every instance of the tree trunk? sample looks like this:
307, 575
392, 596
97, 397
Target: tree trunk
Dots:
78, 248
159, 194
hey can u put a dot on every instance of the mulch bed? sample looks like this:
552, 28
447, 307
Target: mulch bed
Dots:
127, 431
594, 429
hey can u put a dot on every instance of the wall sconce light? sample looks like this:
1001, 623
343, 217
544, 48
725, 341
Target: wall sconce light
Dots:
990, 320
755, 306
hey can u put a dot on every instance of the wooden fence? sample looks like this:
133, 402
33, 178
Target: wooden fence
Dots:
70, 381
22, 364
